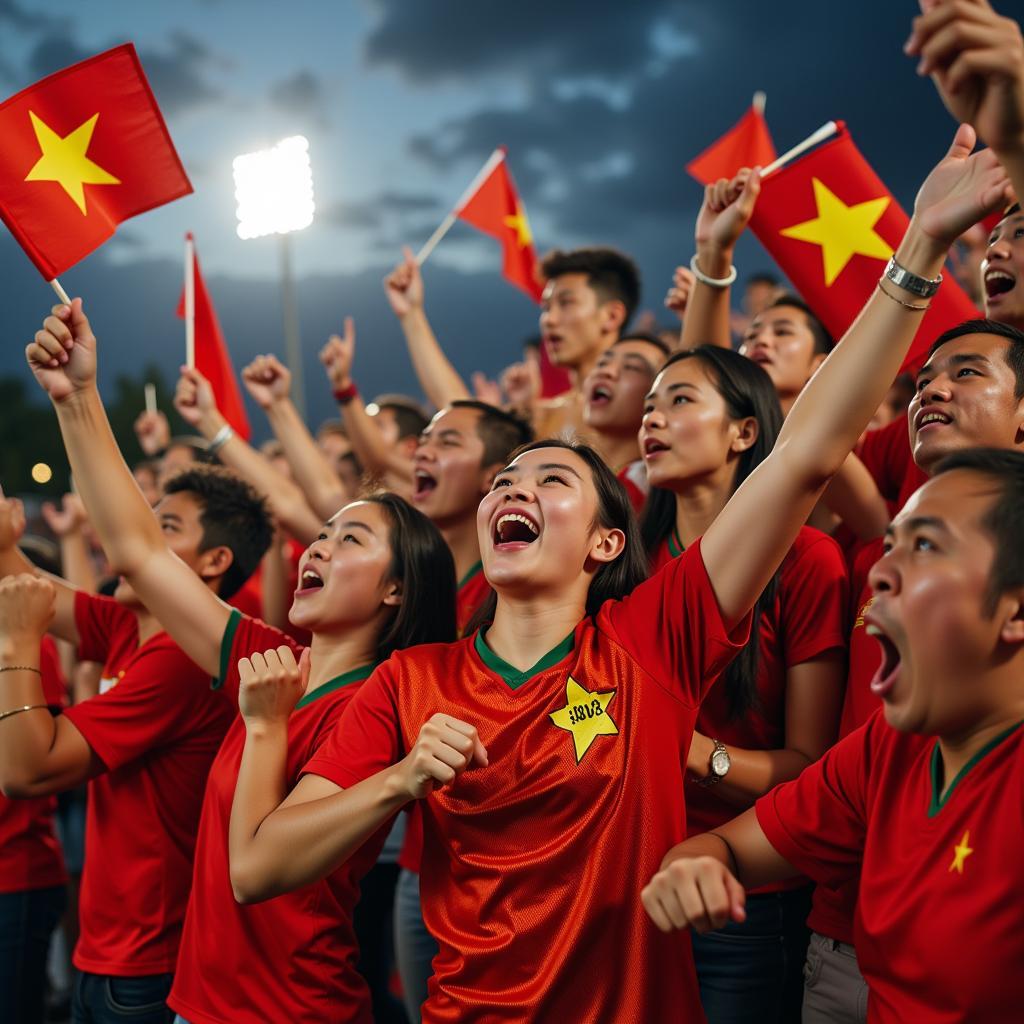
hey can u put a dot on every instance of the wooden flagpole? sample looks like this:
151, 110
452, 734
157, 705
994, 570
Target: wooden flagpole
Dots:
190, 302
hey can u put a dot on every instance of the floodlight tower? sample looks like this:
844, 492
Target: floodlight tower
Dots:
274, 192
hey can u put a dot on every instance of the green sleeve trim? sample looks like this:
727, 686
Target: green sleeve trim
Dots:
227, 643
938, 801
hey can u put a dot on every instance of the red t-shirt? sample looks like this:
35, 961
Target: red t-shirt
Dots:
806, 621
939, 928
156, 728
292, 958
832, 910
30, 856
533, 866
889, 460
634, 478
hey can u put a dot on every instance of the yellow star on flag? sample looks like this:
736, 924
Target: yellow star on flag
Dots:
64, 160
518, 222
842, 231
961, 853
585, 715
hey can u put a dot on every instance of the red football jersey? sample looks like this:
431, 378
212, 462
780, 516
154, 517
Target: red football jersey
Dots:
156, 728
940, 927
806, 621
292, 958
472, 591
30, 856
532, 867
890, 461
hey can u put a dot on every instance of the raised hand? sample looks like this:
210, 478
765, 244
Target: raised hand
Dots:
153, 432
975, 57
194, 398
12, 522
338, 355
485, 389
404, 285
694, 892
961, 189
521, 384
71, 516
27, 605
268, 380
727, 208
444, 749
679, 294
272, 684
63, 355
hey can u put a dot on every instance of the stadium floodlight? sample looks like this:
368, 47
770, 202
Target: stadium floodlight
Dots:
274, 193
274, 189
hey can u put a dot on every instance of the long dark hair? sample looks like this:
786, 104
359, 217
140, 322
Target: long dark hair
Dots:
747, 392
615, 579
422, 563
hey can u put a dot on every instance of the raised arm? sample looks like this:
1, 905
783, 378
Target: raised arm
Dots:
13, 562
63, 359
269, 382
744, 545
373, 453
440, 380
195, 402
725, 212
39, 754
975, 57
68, 524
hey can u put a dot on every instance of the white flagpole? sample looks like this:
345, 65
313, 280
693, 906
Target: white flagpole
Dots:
150, 392
824, 132
759, 101
190, 302
492, 161
61, 294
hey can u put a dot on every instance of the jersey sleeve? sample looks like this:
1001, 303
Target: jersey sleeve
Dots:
672, 627
98, 619
152, 706
813, 596
818, 821
244, 636
367, 738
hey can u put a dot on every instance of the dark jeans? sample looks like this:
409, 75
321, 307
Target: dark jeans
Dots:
27, 921
752, 973
103, 999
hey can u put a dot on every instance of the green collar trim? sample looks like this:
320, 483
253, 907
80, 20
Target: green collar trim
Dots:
938, 801
355, 676
675, 544
470, 574
509, 673
227, 641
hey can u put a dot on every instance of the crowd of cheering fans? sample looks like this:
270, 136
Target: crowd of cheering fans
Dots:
692, 692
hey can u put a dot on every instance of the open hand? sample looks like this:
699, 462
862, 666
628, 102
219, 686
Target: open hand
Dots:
71, 516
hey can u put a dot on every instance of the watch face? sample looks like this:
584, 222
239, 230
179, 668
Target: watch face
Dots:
720, 762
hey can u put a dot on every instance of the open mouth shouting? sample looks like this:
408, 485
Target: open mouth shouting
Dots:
997, 283
309, 582
600, 394
423, 484
514, 529
888, 671
653, 447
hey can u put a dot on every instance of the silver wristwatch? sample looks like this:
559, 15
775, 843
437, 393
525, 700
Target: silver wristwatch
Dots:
718, 765
925, 287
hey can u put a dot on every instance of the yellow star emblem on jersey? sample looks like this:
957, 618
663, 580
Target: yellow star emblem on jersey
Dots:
518, 222
960, 853
585, 715
842, 231
64, 160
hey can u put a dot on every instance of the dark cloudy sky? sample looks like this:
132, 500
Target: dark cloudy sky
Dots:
600, 104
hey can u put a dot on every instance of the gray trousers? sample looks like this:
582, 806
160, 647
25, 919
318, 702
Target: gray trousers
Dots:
834, 990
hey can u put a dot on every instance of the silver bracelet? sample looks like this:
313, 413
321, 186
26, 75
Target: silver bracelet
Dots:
923, 287
712, 282
220, 439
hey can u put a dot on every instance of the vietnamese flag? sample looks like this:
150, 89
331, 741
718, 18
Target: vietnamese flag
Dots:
211, 353
747, 144
831, 225
83, 150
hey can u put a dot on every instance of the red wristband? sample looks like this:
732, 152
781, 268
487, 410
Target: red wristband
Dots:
345, 395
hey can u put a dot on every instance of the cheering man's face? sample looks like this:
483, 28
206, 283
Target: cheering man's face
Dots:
1002, 272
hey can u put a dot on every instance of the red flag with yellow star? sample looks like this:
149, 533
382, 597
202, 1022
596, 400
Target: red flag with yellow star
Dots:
83, 150
495, 208
831, 225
